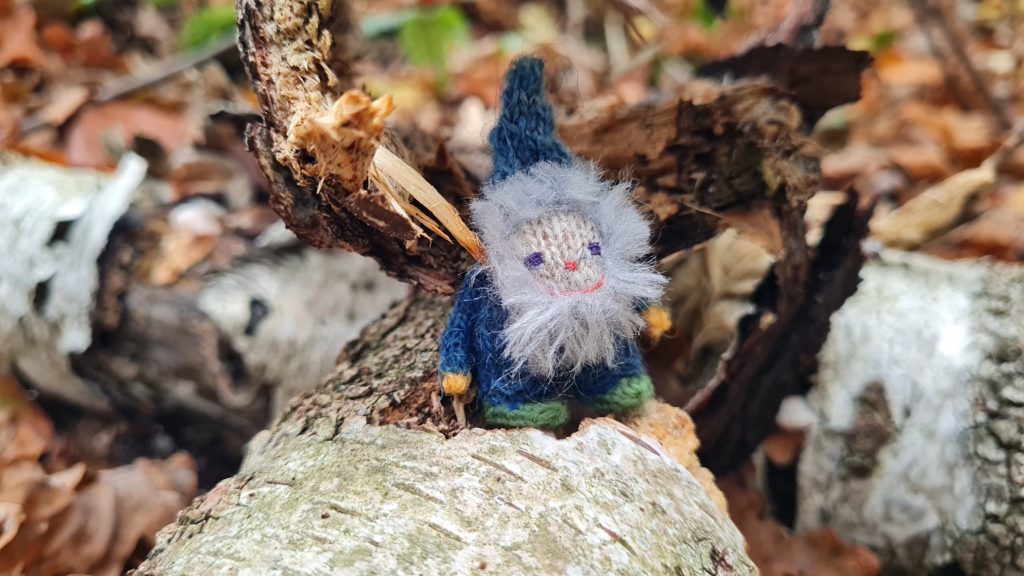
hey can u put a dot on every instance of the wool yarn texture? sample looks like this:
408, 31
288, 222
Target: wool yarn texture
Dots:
555, 313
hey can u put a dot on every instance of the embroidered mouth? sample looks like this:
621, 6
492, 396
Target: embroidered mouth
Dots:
597, 286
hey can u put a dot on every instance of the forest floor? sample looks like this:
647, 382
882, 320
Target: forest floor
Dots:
933, 140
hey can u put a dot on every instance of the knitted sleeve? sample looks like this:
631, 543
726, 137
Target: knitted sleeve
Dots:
456, 342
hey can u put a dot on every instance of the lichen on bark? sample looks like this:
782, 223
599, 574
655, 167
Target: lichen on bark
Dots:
921, 402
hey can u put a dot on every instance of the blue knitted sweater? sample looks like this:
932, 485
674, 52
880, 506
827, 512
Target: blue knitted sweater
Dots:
472, 344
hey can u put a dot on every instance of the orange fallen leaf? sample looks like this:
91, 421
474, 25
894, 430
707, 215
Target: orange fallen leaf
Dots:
115, 124
782, 448
776, 551
19, 44
903, 70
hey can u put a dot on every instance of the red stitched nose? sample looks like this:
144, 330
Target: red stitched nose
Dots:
570, 265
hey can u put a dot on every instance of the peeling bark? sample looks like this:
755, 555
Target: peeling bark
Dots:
920, 388
298, 56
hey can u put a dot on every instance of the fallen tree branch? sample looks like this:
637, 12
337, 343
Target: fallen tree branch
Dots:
359, 479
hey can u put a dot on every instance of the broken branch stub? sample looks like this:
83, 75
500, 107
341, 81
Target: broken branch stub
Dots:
318, 138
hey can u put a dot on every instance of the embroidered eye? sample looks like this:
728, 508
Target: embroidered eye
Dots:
533, 260
595, 249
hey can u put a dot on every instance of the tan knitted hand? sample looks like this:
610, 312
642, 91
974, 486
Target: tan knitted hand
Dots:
454, 384
658, 322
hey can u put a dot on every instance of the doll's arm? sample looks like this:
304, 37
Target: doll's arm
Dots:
658, 322
456, 351
657, 318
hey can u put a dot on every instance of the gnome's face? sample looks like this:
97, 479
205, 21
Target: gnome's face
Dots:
563, 253
566, 252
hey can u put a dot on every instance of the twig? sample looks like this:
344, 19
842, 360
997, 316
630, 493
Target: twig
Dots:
161, 72
927, 14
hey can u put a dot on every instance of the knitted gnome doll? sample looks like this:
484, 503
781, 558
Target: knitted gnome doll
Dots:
555, 310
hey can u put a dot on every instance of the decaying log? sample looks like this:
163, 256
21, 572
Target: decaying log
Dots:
360, 477
199, 360
920, 395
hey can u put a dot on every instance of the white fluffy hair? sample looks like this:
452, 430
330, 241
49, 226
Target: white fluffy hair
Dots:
550, 334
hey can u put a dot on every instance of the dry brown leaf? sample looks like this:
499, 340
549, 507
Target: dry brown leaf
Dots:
90, 44
759, 225
11, 517
71, 521
103, 128
206, 173
838, 169
94, 45
998, 232
10, 125
102, 523
64, 105
181, 248
25, 432
933, 211
710, 291
19, 44
148, 494
970, 136
776, 551
926, 161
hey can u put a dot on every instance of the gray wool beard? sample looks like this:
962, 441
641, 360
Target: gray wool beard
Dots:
550, 335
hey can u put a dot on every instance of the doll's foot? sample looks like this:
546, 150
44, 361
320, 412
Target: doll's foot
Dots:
543, 415
629, 393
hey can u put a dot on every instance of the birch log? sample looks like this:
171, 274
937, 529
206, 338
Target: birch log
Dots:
370, 475
920, 395
199, 359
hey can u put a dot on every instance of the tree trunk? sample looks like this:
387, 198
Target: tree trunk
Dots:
370, 475
920, 394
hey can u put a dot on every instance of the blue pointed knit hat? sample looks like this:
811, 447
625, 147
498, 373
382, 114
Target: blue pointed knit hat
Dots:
525, 132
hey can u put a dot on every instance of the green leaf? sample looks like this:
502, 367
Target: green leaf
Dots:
208, 24
705, 16
883, 41
428, 36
